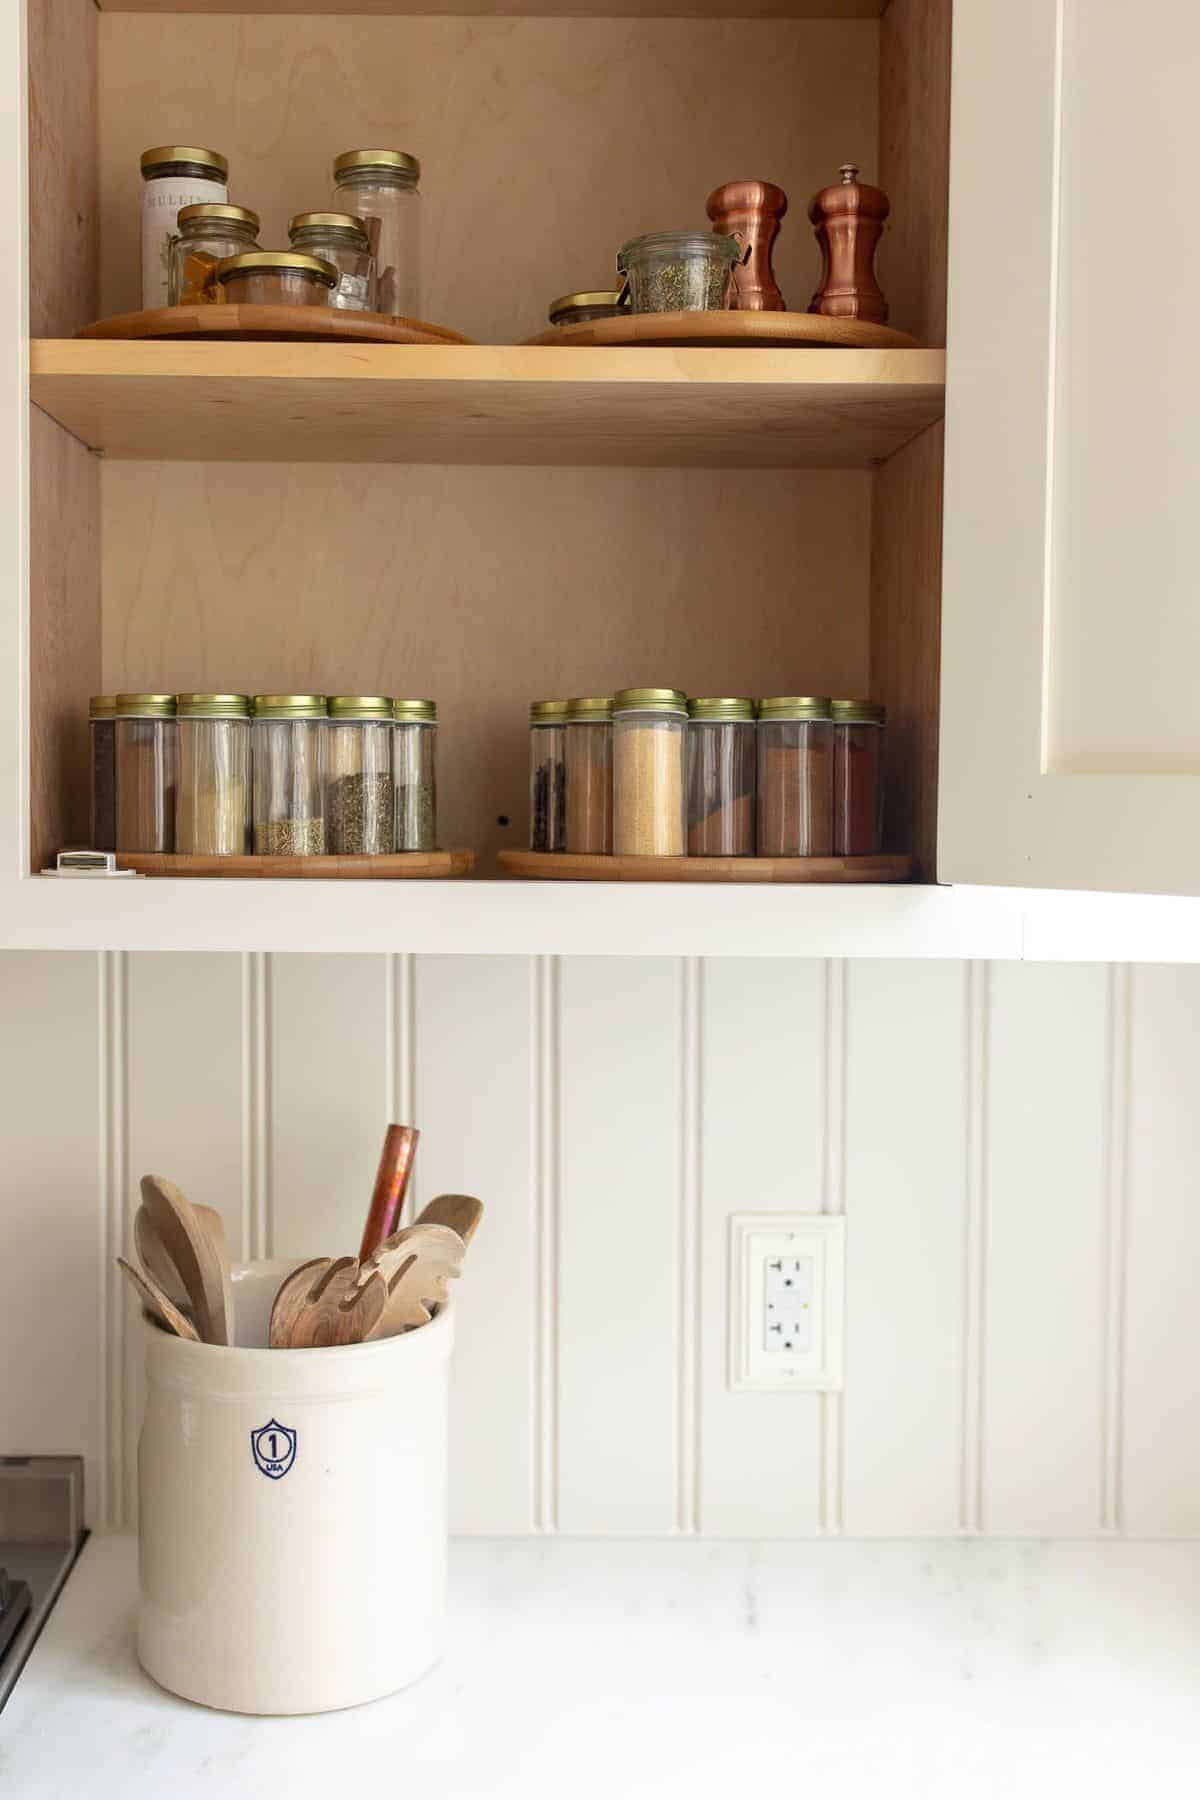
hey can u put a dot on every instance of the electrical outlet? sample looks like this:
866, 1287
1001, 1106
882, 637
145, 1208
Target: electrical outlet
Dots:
786, 1292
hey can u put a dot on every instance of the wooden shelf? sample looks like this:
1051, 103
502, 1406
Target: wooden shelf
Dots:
412, 865
559, 9
753, 408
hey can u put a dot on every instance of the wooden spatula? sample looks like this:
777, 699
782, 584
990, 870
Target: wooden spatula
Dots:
196, 1254
155, 1259
158, 1304
323, 1303
461, 1212
416, 1265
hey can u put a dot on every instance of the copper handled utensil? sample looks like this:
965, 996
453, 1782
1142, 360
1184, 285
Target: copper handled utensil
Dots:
391, 1184
323, 1303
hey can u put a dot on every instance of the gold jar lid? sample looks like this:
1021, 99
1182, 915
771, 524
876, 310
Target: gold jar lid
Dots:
360, 706
648, 699
721, 709
289, 706
350, 223
212, 706
573, 302
795, 706
414, 712
102, 706
392, 162
858, 712
548, 712
164, 156
146, 706
276, 262
594, 710
209, 212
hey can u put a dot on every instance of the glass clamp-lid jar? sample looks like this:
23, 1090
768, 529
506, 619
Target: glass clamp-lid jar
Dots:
582, 308
212, 804
380, 186
102, 743
414, 769
208, 234
547, 776
341, 239
858, 736
289, 774
795, 776
589, 776
147, 747
173, 176
722, 777
679, 271
276, 278
360, 802
649, 801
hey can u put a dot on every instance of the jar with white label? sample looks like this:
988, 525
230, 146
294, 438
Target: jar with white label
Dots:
341, 239
173, 175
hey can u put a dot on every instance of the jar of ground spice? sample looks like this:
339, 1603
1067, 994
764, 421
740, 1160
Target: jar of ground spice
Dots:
414, 772
547, 775
858, 730
102, 731
360, 803
649, 742
276, 278
212, 801
147, 752
721, 777
289, 774
207, 235
589, 777
678, 271
795, 777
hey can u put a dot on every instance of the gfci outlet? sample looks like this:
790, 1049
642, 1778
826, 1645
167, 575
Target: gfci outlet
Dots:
787, 1274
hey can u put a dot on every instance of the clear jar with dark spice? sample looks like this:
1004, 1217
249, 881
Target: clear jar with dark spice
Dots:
147, 747
795, 776
721, 777
212, 800
678, 271
858, 732
207, 235
547, 775
587, 754
649, 798
360, 801
102, 732
414, 772
289, 774
339, 238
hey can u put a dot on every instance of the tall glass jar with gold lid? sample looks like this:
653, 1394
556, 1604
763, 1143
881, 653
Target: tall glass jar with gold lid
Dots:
207, 234
649, 797
212, 805
102, 732
147, 754
360, 803
795, 776
721, 777
289, 774
547, 775
414, 768
380, 186
589, 776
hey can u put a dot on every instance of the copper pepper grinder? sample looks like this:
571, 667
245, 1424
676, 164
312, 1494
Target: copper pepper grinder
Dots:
750, 213
849, 221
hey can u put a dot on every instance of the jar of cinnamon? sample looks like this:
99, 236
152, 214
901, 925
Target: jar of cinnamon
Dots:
589, 776
721, 777
858, 728
795, 776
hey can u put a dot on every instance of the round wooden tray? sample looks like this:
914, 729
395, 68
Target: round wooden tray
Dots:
773, 330
420, 865
295, 324
539, 865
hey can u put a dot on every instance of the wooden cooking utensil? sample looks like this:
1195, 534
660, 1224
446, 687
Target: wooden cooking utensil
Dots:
416, 1265
391, 1184
153, 1255
461, 1212
322, 1303
194, 1251
158, 1305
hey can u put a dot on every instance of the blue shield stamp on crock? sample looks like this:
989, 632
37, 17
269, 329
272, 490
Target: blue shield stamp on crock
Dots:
274, 1449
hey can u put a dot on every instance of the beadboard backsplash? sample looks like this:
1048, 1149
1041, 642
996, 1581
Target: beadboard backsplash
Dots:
1016, 1148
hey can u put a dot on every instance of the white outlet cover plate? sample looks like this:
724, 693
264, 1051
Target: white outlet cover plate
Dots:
755, 1240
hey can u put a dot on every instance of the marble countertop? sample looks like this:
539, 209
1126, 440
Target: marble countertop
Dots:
680, 1670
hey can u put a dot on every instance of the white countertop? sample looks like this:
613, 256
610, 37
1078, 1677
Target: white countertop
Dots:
680, 1670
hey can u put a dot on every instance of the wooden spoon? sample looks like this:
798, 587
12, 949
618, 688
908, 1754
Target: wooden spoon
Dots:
322, 1303
156, 1260
416, 1265
158, 1305
195, 1253
461, 1212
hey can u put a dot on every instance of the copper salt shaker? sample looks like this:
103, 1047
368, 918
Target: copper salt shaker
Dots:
849, 220
750, 212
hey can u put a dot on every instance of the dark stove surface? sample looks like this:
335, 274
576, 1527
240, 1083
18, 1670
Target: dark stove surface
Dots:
41, 1533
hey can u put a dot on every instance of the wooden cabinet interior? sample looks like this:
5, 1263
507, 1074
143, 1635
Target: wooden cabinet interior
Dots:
486, 586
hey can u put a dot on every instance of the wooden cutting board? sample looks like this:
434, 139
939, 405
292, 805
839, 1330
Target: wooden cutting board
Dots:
714, 330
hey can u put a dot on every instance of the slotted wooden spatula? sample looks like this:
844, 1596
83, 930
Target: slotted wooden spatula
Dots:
323, 1302
416, 1266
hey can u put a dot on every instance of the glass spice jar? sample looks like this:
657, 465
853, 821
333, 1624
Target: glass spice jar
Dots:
212, 800
276, 278
858, 730
147, 754
588, 772
207, 236
289, 774
173, 176
380, 186
581, 309
414, 771
341, 239
721, 777
649, 799
360, 802
795, 776
547, 775
102, 733
678, 271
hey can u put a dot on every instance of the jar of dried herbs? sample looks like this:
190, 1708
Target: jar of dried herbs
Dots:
588, 755
212, 802
339, 238
207, 235
795, 776
173, 176
721, 765
102, 733
276, 278
649, 802
360, 803
547, 775
414, 771
858, 730
147, 752
289, 774
678, 271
